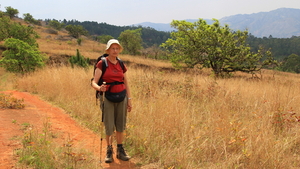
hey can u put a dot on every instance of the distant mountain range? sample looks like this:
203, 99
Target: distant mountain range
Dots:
280, 23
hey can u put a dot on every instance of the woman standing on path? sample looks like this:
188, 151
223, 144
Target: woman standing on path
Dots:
114, 113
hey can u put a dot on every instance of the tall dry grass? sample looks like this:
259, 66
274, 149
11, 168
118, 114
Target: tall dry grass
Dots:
187, 120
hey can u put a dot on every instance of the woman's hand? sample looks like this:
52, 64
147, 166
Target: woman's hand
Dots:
102, 88
129, 105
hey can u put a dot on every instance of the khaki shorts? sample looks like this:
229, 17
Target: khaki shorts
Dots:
114, 115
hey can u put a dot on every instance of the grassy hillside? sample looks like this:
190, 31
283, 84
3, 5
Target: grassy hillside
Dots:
66, 46
183, 119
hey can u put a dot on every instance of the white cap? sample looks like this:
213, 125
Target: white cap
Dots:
112, 41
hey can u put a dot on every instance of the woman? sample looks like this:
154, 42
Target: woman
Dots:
114, 114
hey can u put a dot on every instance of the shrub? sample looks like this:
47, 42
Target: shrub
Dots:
21, 57
79, 60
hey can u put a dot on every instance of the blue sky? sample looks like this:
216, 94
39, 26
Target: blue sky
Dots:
128, 12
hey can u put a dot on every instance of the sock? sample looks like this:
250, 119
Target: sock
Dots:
119, 145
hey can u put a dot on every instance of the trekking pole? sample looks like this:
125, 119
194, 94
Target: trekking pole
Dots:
103, 96
101, 124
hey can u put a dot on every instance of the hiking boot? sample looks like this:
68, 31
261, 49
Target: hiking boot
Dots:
109, 155
121, 154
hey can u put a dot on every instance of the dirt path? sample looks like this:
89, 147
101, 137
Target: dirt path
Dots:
35, 113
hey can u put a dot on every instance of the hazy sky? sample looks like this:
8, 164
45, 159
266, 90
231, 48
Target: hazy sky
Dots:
128, 12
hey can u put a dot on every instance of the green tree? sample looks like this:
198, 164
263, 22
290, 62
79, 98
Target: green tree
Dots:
79, 40
56, 24
29, 18
131, 41
104, 38
20, 57
2, 14
9, 29
213, 46
79, 60
291, 64
11, 12
76, 30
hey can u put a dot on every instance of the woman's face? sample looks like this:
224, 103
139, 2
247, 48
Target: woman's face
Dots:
114, 50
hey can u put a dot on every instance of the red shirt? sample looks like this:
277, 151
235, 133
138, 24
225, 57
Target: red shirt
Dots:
113, 73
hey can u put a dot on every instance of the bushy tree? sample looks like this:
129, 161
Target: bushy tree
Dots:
76, 30
213, 46
131, 41
11, 12
9, 29
20, 57
56, 24
29, 18
104, 38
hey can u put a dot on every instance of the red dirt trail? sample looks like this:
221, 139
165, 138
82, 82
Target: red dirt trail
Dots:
35, 113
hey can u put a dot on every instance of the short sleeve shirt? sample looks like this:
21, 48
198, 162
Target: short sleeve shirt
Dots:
113, 73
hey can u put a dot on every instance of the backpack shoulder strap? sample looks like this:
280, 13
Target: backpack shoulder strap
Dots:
121, 63
104, 64
98, 59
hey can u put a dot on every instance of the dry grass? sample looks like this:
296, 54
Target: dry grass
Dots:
226, 123
187, 120
69, 47
49, 44
7, 80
